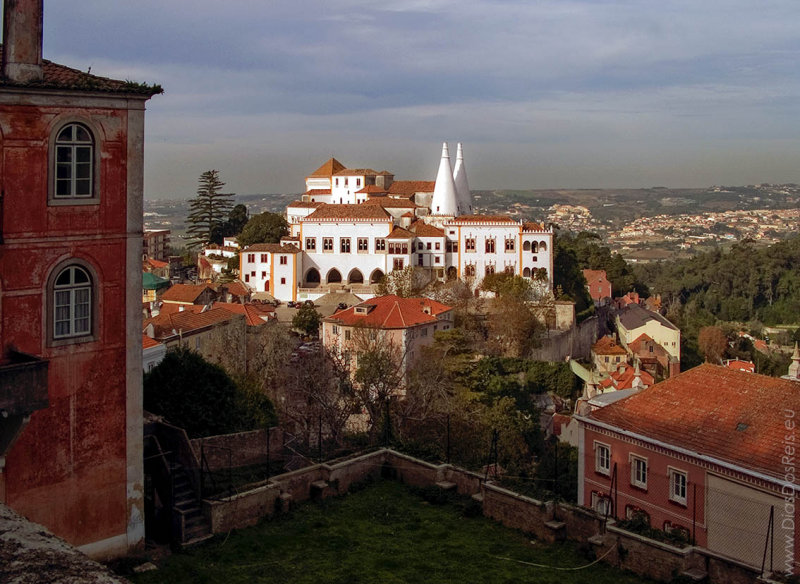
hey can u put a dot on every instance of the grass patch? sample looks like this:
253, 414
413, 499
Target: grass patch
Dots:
384, 533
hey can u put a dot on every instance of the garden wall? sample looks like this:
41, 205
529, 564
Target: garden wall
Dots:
546, 520
244, 448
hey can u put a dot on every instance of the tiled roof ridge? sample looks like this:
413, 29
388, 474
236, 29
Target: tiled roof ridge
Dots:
56, 76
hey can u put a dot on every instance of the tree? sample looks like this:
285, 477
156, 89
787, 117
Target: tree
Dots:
208, 210
712, 343
406, 283
265, 227
200, 397
237, 219
307, 319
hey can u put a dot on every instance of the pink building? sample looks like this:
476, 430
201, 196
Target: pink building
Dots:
405, 323
708, 453
598, 285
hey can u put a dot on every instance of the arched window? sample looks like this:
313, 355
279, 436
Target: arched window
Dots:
334, 276
535, 247
542, 246
74, 161
312, 276
376, 277
526, 246
355, 277
526, 273
72, 303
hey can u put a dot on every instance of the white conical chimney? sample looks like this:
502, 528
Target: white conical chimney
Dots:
794, 368
462, 186
444, 200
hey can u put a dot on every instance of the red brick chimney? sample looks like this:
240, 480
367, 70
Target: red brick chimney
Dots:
22, 40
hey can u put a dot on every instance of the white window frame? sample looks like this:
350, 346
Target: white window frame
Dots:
639, 471
599, 447
70, 157
71, 304
674, 475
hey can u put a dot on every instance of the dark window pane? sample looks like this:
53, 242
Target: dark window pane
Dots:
83, 187
63, 170
82, 170
83, 154
64, 154
82, 134
65, 135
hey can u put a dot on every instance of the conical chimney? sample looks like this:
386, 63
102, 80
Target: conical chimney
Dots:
444, 200
463, 195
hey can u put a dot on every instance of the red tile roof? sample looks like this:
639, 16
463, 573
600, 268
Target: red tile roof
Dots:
236, 288
423, 229
272, 248
357, 172
482, 219
147, 342
729, 415
315, 192
608, 346
173, 308
349, 212
371, 190
400, 233
391, 203
60, 77
530, 226
253, 312
156, 264
306, 204
410, 187
186, 322
624, 379
739, 365
391, 312
184, 292
594, 275
328, 169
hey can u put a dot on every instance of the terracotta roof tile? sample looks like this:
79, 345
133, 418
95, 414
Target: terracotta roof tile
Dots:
400, 233
391, 203
305, 204
328, 169
624, 380
729, 415
60, 77
184, 292
254, 313
391, 312
357, 172
594, 275
318, 192
371, 190
170, 325
422, 229
272, 248
483, 219
531, 226
410, 187
348, 212
147, 342
156, 264
608, 346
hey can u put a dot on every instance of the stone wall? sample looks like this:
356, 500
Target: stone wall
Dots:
545, 520
576, 342
244, 448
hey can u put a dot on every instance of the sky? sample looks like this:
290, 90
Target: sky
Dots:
543, 94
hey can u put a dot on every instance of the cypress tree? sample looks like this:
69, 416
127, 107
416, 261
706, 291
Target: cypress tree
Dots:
208, 210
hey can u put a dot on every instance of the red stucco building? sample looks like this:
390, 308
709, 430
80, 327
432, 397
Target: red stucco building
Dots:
709, 453
70, 293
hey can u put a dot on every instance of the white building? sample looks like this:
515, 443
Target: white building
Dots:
353, 226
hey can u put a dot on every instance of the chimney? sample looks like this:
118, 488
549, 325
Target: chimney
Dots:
22, 40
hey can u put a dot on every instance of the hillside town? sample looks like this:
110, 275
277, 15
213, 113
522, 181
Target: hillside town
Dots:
156, 399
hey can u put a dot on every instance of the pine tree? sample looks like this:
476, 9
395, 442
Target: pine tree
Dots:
208, 210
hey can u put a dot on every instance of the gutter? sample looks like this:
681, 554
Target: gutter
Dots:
704, 457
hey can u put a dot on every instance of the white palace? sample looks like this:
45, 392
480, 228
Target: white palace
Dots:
353, 225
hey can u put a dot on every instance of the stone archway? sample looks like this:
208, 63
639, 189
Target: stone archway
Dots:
333, 277
312, 276
376, 277
355, 277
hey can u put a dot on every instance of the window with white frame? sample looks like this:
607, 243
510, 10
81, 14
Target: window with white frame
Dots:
74, 151
327, 244
72, 303
677, 486
311, 243
469, 244
639, 472
380, 244
363, 244
602, 458
344, 245
601, 503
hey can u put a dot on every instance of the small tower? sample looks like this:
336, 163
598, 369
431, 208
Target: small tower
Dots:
462, 186
444, 200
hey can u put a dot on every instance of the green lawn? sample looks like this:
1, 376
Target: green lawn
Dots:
384, 533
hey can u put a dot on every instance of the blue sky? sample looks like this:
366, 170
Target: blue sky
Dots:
543, 94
